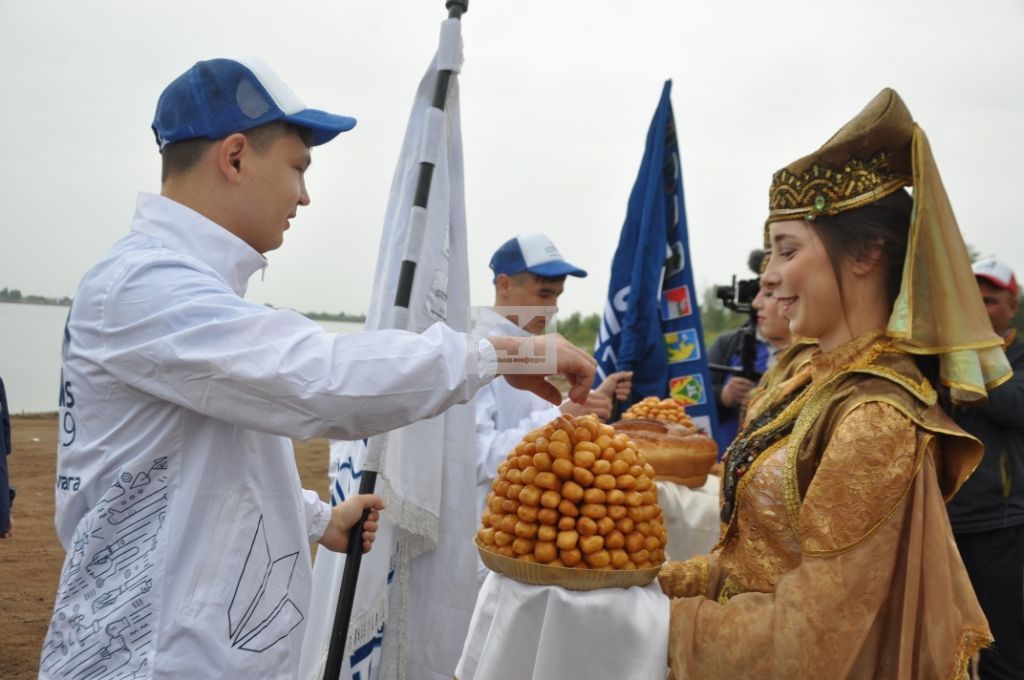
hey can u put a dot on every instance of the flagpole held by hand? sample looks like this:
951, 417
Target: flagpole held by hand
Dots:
403, 294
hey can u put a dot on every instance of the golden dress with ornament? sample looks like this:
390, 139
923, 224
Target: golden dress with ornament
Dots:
836, 558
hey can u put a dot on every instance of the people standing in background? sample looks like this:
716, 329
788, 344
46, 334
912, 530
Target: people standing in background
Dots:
772, 327
988, 512
730, 388
785, 356
6, 492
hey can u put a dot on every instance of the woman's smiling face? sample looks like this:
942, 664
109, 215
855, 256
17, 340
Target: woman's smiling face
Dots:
801, 279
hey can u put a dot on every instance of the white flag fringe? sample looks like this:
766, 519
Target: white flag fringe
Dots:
417, 587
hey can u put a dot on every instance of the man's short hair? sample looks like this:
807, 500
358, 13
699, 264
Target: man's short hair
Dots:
180, 157
522, 277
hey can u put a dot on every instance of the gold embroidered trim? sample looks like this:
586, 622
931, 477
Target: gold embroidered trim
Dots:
989, 386
923, 390
823, 190
730, 589
790, 487
901, 336
972, 640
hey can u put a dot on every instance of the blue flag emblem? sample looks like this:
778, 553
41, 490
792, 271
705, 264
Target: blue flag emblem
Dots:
649, 324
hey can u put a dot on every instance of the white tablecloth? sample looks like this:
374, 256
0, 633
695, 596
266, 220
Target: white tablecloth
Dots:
524, 632
691, 518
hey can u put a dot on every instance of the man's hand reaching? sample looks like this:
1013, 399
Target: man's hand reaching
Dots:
527, 361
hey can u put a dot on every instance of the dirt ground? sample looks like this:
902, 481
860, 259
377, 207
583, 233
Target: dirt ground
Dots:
30, 561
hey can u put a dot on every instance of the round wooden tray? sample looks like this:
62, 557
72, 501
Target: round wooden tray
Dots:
537, 574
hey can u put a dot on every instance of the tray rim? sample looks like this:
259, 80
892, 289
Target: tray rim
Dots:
534, 573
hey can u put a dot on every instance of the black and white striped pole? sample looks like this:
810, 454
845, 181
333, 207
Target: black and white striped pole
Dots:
403, 294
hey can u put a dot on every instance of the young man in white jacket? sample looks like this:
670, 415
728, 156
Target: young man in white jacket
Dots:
529, 277
177, 495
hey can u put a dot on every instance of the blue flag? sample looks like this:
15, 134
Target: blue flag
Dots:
651, 322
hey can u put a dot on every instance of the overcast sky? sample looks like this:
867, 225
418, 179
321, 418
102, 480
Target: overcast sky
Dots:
556, 100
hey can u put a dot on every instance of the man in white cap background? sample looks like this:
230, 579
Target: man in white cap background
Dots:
529, 277
177, 493
987, 513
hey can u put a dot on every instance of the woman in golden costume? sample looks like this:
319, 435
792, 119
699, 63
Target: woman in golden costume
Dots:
836, 558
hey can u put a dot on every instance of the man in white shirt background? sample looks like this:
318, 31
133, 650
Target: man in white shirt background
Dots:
177, 495
529, 277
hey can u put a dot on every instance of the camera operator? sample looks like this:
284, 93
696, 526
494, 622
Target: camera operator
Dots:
737, 358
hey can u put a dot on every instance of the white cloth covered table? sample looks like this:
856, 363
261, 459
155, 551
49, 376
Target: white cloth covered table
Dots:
691, 518
524, 632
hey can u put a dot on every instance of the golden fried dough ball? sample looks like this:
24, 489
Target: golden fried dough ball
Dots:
591, 544
598, 559
586, 526
566, 540
570, 558
562, 467
545, 551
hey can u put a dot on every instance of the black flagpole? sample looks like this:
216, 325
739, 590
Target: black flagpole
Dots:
347, 593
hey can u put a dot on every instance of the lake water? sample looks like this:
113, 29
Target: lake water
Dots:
30, 344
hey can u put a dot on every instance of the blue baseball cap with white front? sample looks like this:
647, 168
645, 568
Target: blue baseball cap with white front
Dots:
534, 253
997, 273
219, 97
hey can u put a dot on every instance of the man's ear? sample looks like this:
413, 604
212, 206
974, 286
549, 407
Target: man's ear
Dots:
231, 151
502, 283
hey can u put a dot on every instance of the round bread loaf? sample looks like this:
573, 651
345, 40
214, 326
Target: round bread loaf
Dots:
576, 494
676, 453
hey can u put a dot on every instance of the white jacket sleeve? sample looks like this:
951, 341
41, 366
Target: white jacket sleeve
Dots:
192, 341
318, 514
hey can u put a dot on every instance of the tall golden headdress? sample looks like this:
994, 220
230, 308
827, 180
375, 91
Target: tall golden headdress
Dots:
938, 310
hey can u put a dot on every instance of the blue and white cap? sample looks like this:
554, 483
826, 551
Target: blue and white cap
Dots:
219, 97
997, 273
534, 253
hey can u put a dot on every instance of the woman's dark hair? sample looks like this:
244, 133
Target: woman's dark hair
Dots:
884, 224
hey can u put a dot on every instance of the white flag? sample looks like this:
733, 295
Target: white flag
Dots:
417, 587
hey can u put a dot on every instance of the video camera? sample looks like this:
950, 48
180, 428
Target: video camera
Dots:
739, 297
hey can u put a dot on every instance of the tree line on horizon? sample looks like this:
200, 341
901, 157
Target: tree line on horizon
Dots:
578, 329
15, 295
